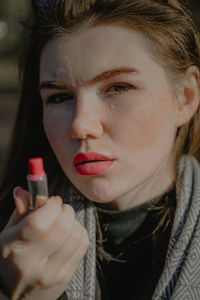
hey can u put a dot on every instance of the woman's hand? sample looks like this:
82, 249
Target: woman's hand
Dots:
40, 254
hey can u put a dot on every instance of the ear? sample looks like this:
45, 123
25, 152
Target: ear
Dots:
188, 96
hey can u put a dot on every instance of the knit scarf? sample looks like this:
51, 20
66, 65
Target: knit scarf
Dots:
82, 285
180, 278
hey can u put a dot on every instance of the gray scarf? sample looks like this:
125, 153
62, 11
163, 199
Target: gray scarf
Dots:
181, 275
82, 285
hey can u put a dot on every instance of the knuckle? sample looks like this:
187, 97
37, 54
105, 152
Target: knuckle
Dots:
32, 227
69, 210
66, 221
53, 204
25, 233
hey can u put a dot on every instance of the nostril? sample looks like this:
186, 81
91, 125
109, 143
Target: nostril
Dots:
84, 126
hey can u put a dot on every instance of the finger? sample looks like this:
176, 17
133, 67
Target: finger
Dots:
40, 200
68, 249
64, 272
40, 221
58, 233
71, 266
22, 200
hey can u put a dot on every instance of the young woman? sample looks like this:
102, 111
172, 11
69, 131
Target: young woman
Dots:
110, 100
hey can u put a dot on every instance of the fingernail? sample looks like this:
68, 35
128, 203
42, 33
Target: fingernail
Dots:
58, 199
15, 192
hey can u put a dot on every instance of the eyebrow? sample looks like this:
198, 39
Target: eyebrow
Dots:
101, 77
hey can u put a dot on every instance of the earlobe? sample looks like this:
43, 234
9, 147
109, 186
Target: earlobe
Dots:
190, 96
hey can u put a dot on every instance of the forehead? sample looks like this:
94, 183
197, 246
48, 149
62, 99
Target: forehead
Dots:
88, 52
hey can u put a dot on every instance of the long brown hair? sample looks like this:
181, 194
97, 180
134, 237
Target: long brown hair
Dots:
174, 43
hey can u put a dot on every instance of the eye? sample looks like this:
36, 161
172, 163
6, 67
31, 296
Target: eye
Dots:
60, 98
118, 88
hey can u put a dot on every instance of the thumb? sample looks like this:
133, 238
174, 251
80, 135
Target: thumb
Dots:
22, 202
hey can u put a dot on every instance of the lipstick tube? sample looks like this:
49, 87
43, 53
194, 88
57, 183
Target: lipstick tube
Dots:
37, 180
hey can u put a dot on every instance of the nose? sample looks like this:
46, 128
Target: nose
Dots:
86, 123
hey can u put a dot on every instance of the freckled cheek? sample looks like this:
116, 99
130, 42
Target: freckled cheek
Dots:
145, 126
56, 127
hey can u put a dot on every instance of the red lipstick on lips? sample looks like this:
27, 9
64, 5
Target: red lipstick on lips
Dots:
91, 163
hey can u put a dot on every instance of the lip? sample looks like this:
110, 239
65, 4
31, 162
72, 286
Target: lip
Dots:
91, 163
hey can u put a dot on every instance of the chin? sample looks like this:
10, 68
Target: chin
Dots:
98, 197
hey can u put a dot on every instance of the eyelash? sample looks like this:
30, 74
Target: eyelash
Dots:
125, 88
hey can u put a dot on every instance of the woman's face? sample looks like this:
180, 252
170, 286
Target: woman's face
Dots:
103, 92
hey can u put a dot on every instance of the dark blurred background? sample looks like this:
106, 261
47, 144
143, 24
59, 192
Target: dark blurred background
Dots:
12, 12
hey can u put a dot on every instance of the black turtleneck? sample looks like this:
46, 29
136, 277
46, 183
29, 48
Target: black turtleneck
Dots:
130, 236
